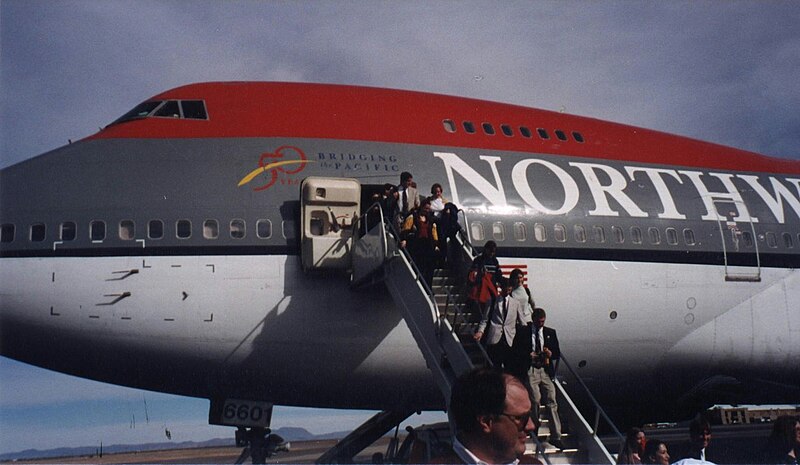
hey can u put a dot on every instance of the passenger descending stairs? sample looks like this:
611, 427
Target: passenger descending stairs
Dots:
442, 325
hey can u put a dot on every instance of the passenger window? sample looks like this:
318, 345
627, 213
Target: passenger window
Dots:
787, 241
599, 234
127, 230
577, 136
7, 232
654, 235
194, 109
183, 229
38, 232
772, 240
525, 132
542, 133
636, 235
539, 232
619, 234
449, 125
469, 127
560, 232
519, 231
688, 237
238, 229
488, 128
476, 228
560, 134
210, 229
499, 231
289, 231
264, 229
580, 233
97, 231
507, 130
672, 236
169, 110
155, 229
68, 231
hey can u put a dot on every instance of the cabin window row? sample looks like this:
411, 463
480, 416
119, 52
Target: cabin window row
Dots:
600, 234
154, 229
509, 131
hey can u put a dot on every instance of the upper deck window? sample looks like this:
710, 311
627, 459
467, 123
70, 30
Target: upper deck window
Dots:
507, 130
488, 129
469, 127
7, 232
449, 125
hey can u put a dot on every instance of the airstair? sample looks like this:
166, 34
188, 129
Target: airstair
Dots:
442, 326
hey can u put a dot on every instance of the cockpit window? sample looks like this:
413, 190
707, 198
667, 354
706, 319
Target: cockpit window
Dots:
139, 111
194, 109
169, 110
185, 109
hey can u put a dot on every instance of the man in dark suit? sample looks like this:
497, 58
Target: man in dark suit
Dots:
545, 351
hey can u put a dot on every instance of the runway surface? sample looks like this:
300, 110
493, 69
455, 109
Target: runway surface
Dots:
301, 452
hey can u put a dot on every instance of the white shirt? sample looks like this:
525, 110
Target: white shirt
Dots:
468, 457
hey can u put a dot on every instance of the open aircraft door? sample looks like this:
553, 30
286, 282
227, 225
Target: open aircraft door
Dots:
328, 209
739, 241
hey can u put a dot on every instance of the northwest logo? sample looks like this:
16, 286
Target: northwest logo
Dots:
273, 165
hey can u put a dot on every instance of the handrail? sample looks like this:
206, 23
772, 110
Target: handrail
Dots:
599, 412
466, 232
414, 267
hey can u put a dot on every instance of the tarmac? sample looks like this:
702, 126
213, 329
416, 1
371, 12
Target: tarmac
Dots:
300, 452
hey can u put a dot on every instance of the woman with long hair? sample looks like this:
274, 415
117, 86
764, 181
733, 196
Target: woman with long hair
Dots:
633, 447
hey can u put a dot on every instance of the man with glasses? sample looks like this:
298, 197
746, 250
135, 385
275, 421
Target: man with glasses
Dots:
490, 413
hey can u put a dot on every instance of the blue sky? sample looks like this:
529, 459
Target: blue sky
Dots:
725, 72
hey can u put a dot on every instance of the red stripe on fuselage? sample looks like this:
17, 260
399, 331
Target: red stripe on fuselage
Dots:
324, 111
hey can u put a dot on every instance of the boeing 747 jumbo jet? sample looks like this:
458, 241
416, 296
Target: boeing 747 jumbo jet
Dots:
202, 245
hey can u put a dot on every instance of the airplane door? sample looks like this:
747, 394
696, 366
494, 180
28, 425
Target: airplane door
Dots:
328, 209
739, 242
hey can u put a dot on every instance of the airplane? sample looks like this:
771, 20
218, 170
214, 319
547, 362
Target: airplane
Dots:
175, 250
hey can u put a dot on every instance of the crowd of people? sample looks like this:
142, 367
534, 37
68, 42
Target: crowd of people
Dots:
494, 409
425, 224
783, 445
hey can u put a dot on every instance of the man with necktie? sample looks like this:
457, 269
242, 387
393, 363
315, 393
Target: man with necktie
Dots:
500, 325
545, 350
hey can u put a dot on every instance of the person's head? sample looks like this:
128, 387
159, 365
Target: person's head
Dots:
425, 206
387, 189
655, 451
505, 286
406, 179
436, 190
490, 412
490, 249
700, 431
516, 278
635, 440
539, 317
785, 435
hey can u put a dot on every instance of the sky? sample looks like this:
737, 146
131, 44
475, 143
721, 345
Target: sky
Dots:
724, 72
